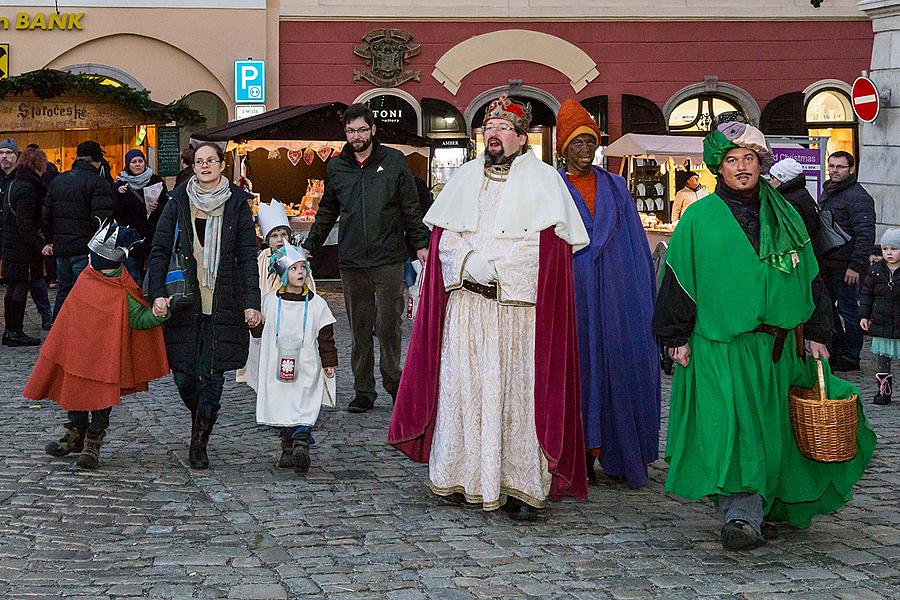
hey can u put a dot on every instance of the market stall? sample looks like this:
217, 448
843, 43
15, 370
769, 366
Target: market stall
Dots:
283, 154
656, 167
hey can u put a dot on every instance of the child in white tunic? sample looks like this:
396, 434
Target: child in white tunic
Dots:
297, 358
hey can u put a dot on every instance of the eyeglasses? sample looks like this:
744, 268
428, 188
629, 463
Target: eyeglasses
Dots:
361, 131
208, 161
579, 144
500, 128
838, 167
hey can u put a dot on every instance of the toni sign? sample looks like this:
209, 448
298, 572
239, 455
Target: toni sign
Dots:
864, 97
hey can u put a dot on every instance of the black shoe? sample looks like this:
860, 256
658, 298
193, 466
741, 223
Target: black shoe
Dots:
522, 513
456, 498
590, 460
18, 338
839, 363
287, 454
769, 530
738, 534
361, 404
301, 453
46, 321
885, 388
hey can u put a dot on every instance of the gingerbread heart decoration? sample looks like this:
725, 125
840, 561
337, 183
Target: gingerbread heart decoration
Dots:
294, 156
309, 155
324, 153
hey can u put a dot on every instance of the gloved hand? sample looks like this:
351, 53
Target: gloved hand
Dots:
480, 269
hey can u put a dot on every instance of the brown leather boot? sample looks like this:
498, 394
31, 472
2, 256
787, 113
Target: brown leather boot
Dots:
71, 442
90, 456
203, 426
287, 453
301, 453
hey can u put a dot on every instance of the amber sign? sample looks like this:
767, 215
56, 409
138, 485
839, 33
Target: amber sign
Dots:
33, 114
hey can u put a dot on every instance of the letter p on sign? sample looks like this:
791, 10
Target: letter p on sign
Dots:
250, 81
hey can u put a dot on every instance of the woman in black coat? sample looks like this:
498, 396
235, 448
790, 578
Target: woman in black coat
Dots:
142, 196
23, 242
208, 335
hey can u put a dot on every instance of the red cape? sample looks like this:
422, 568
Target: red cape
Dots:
557, 397
92, 357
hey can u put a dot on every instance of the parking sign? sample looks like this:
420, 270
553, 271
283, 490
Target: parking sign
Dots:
250, 81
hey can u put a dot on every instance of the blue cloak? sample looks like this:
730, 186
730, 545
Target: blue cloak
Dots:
615, 291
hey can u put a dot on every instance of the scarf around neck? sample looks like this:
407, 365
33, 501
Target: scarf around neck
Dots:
137, 182
211, 202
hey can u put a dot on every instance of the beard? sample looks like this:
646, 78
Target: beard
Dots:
361, 146
498, 158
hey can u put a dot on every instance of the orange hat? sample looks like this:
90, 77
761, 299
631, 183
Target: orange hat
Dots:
572, 121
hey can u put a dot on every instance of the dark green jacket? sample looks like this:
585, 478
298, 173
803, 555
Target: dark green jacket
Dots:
378, 206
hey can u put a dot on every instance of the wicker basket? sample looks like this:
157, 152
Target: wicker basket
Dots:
825, 430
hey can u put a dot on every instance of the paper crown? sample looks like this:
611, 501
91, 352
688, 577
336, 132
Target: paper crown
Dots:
283, 258
270, 216
113, 242
505, 107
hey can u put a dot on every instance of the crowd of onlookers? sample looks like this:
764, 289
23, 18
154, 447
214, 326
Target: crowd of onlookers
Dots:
48, 218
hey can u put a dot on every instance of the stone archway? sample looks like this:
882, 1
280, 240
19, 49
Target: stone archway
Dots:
515, 44
712, 85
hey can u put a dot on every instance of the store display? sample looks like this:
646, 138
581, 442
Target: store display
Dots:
648, 186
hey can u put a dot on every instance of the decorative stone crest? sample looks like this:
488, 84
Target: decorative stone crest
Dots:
385, 50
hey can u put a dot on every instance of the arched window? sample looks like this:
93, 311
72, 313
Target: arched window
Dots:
828, 113
697, 114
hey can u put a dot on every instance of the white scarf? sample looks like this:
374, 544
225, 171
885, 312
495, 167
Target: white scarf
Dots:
211, 202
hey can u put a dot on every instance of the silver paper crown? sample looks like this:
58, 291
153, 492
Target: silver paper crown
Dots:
105, 242
283, 258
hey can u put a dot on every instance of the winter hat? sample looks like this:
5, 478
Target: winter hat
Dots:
786, 169
133, 153
572, 121
891, 237
90, 149
10, 144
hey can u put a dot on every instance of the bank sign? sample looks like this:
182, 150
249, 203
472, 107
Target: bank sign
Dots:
249, 81
42, 21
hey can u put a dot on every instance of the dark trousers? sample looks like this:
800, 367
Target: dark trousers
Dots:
68, 268
41, 296
374, 300
201, 393
14, 304
848, 336
98, 422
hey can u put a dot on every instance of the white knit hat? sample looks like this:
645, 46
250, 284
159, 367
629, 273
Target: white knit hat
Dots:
786, 169
891, 237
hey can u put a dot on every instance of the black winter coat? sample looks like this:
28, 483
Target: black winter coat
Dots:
22, 236
379, 209
237, 284
795, 192
77, 201
854, 210
879, 300
131, 211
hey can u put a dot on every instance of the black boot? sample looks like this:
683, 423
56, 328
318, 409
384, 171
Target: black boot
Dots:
71, 442
18, 338
203, 426
46, 320
90, 456
523, 513
590, 460
885, 388
738, 534
287, 453
301, 452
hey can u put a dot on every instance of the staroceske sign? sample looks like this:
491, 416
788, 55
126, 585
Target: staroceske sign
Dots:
45, 22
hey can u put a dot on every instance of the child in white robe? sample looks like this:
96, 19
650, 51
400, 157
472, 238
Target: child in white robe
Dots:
297, 358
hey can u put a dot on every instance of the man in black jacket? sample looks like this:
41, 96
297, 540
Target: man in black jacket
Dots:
372, 190
77, 201
854, 210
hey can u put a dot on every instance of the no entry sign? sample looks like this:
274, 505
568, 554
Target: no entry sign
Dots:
865, 99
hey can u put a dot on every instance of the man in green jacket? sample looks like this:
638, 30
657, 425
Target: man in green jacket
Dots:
740, 276
372, 190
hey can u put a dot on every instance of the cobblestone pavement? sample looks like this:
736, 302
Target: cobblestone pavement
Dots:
362, 523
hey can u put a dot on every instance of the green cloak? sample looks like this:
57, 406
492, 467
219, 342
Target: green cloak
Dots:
729, 427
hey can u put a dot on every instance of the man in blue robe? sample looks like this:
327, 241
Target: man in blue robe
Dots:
614, 298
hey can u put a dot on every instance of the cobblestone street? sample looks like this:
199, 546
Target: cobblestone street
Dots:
363, 524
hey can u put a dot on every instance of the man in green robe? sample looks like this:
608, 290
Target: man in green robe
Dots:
740, 276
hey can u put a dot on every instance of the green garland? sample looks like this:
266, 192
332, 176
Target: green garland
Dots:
49, 83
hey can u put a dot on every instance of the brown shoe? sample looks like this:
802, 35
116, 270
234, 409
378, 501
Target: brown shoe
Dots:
90, 456
71, 442
287, 453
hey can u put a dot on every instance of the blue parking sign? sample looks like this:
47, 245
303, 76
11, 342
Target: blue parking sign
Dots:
250, 81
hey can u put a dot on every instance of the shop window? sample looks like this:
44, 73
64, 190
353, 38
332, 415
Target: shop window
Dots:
698, 113
828, 113
783, 115
441, 118
640, 115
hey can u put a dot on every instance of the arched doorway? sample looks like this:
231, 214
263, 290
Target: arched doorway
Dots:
828, 112
544, 108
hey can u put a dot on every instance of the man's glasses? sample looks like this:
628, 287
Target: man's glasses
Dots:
361, 131
500, 128
208, 161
